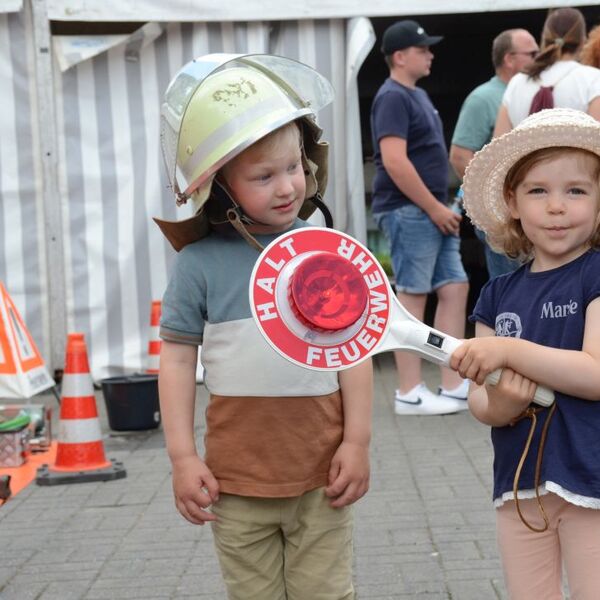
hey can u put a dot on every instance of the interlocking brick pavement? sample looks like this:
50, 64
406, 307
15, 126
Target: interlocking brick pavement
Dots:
425, 530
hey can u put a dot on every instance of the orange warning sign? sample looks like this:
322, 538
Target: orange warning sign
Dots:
22, 369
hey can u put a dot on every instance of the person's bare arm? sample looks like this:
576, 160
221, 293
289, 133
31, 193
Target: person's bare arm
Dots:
407, 180
500, 404
194, 486
503, 123
459, 159
349, 471
594, 108
573, 372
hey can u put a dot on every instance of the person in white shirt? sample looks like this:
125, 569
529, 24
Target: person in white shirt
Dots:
571, 84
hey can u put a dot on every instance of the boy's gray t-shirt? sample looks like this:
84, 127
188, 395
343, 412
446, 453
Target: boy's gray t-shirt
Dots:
207, 303
272, 427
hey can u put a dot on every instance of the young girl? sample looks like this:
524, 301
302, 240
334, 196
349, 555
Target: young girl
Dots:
536, 193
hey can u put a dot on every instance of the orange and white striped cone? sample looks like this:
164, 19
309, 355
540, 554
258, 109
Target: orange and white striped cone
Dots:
154, 343
80, 454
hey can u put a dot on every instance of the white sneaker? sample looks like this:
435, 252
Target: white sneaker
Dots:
460, 392
422, 401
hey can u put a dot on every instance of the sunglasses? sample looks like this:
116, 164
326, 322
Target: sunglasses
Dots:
531, 54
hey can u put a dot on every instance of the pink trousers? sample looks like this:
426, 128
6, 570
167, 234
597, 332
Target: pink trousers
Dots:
533, 562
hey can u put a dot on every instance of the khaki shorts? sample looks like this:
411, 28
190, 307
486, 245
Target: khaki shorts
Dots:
284, 548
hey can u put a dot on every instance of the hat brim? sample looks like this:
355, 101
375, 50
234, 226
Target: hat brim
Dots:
483, 183
432, 40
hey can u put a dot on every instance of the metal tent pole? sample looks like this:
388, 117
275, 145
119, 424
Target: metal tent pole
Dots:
46, 113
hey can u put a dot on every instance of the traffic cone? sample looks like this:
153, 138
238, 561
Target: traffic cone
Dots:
154, 343
80, 453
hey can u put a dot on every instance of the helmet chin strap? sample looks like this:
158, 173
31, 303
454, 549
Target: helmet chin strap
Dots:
224, 209
234, 214
227, 201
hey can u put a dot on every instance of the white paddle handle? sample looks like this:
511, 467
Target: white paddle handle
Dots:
437, 347
543, 396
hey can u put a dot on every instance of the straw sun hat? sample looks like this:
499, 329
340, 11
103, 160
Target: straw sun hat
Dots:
484, 178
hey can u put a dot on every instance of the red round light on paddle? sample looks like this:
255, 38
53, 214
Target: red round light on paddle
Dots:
328, 292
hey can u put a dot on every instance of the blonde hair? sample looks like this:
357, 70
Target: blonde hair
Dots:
273, 143
510, 237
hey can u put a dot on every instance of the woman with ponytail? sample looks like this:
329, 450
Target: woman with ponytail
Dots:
555, 78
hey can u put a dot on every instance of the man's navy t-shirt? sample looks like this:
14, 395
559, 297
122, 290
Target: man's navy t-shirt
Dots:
408, 113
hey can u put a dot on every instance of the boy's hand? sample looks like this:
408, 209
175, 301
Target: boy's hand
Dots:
510, 396
446, 220
348, 474
195, 489
476, 358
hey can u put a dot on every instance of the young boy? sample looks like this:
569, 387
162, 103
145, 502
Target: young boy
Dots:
286, 448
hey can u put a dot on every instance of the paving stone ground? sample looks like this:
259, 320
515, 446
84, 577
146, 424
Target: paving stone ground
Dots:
425, 530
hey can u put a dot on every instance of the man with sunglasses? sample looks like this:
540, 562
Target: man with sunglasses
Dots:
512, 52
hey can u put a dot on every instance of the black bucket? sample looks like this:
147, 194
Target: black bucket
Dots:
132, 402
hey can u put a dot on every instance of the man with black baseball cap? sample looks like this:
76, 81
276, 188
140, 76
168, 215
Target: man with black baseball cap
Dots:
410, 190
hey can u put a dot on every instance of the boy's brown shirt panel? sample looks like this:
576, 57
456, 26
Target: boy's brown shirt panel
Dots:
272, 447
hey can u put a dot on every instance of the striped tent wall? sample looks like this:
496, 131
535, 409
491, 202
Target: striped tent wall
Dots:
111, 174
22, 234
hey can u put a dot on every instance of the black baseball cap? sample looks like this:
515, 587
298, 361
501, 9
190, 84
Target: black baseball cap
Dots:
404, 34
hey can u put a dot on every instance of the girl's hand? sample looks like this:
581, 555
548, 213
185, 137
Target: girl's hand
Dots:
476, 358
195, 489
349, 474
510, 396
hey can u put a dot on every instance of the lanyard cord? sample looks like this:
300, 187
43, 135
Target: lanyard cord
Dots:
234, 217
532, 414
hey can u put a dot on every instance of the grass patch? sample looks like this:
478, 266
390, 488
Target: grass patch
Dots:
386, 262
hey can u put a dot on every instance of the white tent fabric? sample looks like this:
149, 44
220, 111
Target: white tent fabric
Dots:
70, 50
226, 10
7, 6
110, 174
22, 236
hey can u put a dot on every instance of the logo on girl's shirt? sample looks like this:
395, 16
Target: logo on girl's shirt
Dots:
558, 311
508, 324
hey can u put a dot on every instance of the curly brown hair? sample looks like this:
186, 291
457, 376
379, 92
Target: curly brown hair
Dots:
511, 239
590, 54
564, 33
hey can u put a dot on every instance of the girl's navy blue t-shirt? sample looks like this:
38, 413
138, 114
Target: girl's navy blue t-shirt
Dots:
548, 308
